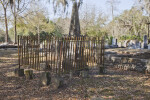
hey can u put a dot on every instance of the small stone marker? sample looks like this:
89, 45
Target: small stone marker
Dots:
45, 78
28, 74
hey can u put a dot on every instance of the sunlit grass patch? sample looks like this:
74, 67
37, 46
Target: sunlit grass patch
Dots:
107, 91
10, 74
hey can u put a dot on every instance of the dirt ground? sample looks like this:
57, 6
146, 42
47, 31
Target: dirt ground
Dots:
114, 85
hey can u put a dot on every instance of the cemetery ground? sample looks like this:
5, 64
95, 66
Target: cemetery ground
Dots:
115, 84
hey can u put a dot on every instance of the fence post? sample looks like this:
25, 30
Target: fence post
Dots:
18, 52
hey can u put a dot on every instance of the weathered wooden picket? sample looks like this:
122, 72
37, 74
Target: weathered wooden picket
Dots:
61, 55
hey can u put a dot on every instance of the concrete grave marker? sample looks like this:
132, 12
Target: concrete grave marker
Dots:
145, 40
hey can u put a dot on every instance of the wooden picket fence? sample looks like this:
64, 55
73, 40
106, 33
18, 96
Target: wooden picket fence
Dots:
61, 55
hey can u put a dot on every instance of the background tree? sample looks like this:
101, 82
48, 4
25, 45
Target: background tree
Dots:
145, 4
5, 4
17, 7
112, 4
129, 23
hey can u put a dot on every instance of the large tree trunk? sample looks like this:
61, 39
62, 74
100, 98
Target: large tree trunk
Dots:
75, 23
6, 26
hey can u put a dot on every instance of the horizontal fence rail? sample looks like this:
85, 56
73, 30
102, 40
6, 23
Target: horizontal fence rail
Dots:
61, 55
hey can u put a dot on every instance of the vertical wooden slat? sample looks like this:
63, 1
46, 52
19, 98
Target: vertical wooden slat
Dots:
74, 50
92, 54
89, 51
61, 46
65, 54
42, 45
71, 53
49, 48
51, 53
84, 52
34, 54
57, 54
24, 59
75, 53
46, 51
95, 51
18, 52
27, 51
38, 52
101, 51
98, 53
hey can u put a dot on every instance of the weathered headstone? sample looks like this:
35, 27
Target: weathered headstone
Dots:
138, 44
126, 43
134, 44
114, 41
119, 44
145, 40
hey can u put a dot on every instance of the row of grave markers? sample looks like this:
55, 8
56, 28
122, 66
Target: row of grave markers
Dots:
131, 44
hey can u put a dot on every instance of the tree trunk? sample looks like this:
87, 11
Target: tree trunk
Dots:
38, 30
15, 30
15, 22
6, 26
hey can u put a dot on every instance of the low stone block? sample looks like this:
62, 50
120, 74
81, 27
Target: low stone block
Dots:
84, 74
19, 72
57, 82
28, 74
45, 78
